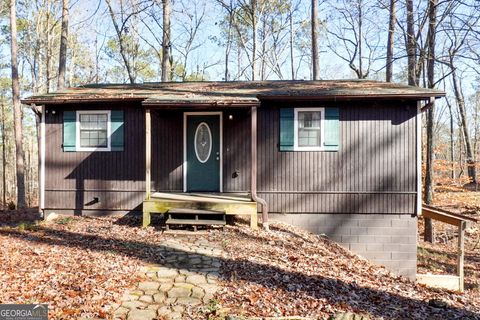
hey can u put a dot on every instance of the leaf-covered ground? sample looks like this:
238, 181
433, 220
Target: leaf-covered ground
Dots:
288, 272
441, 257
82, 266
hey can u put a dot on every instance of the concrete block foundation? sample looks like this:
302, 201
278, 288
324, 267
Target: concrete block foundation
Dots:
385, 239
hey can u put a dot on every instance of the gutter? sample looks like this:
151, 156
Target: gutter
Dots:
253, 166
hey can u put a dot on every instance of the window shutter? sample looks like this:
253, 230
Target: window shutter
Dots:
116, 119
286, 129
69, 130
332, 129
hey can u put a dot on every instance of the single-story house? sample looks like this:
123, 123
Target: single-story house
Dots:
341, 158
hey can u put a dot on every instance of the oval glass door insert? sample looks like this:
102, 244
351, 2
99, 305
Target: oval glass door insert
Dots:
203, 142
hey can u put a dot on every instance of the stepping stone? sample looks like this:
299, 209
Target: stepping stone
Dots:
133, 304
159, 297
197, 293
196, 279
148, 285
189, 301
179, 292
167, 273
147, 299
145, 314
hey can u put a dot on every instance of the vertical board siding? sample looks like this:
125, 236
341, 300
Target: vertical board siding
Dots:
377, 154
373, 171
236, 151
167, 150
116, 178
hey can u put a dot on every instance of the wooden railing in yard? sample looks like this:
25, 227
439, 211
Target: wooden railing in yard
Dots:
450, 282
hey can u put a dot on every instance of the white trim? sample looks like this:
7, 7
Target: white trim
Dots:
210, 141
42, 159
418, 140
322, 130
185, 115
109, 130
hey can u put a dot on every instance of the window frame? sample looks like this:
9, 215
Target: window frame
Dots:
296, 147
109, 130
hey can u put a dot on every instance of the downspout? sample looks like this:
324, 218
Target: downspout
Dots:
41, 203
418, 147
253, 166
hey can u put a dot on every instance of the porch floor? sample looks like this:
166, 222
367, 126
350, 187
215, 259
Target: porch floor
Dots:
230, 203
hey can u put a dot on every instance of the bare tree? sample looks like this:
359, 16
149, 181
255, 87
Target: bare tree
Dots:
315, 61
166, 45
4, 154
17, 109
411, 45
121, 41
62, 61
390, 40
432, 17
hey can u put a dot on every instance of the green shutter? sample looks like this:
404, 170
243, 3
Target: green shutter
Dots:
69, 130
332, 129
286, 129
116, 119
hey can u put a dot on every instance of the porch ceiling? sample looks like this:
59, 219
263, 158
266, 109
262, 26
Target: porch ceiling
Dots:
247, 93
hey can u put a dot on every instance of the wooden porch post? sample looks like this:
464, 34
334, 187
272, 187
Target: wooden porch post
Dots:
461, 254
148, 153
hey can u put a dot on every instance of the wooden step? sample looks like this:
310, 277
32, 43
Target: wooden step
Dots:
203, 222
193, 211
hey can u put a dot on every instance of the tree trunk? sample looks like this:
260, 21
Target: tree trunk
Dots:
4, 158
166, 42
121, 44
228, 45
17, 108
253, 4
411, 45
62, 59
452, 141
429, 183
390, 39
315, 61
292, 66
360, 39
471, 169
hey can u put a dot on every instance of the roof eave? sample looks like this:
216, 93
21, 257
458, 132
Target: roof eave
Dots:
417, 97
77, 100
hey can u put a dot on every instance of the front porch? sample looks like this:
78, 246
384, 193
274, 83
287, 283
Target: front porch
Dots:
228, 203
195, 162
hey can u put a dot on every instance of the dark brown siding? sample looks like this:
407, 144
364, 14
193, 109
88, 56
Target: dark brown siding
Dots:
74, 179
373, 172
167, 150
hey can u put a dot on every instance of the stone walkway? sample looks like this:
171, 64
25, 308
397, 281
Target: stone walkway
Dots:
187, 277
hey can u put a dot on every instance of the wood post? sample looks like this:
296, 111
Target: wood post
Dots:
461, 254
148, 153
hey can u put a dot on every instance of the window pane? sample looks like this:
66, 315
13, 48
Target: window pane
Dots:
309, 138
93, 130
309, 119
309, 123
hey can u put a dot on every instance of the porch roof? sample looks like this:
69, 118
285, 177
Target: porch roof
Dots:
234, 93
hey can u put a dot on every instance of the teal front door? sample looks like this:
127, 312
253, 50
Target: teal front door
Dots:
203, 152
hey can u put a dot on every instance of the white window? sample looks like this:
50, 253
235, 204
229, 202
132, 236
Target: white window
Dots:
308, 129
93, 130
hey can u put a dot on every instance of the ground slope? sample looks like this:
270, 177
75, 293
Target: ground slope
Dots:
289, 272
